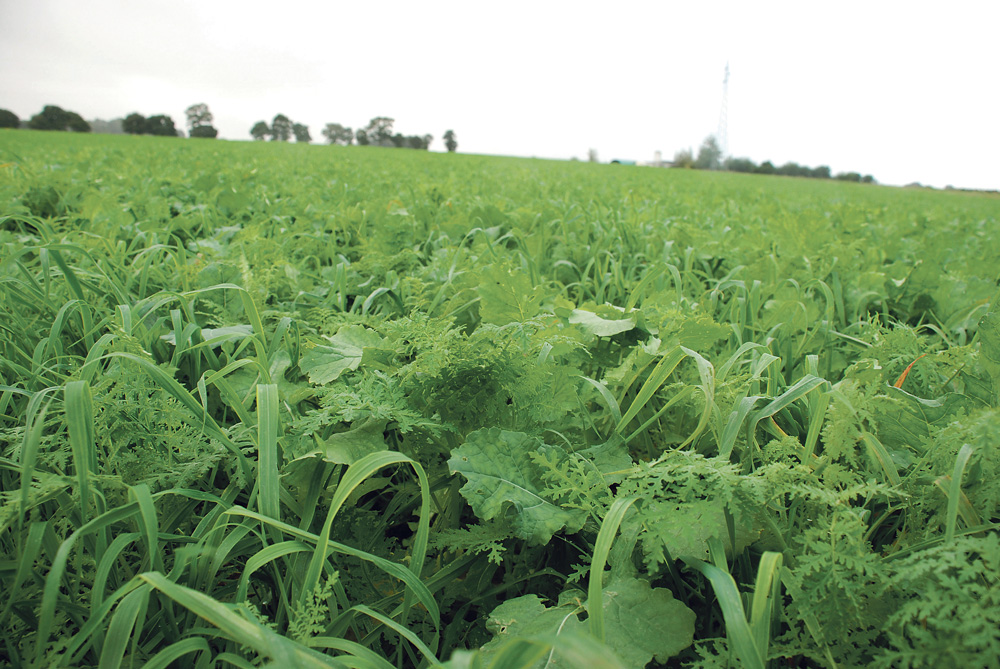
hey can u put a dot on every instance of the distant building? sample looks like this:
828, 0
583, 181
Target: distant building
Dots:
657, 161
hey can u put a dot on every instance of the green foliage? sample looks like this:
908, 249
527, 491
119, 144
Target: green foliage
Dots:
642, 623
945, 593
281, 128
334, 133
503, 483
57, 118
204, 131
9, 119
318, 407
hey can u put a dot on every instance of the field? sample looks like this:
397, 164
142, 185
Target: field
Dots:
282, 405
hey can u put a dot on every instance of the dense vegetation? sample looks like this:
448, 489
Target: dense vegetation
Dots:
352, 407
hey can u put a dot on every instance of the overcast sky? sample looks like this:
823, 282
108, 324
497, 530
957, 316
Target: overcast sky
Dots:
906, 91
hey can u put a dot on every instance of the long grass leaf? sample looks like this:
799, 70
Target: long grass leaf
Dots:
239, 629
656, 379
29, 552
353, 477
149, 524
393, 569
402, 631
882, 457
34, 425
80, 424
955, 491
54, 579
173, 652
738, 633
121, 626
267, 450
765, 609
595, 588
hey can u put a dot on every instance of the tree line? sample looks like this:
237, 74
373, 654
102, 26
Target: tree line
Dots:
378, 132
50, 118
199, 121
710, 158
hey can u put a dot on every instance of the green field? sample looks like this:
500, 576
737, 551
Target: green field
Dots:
271, 404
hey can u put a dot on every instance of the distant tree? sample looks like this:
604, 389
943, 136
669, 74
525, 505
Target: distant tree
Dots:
199, 121
9, 119
428, 138
112, 127
301, 132
398, 140
161, 125
684, 158
204, 131
821, 172
739, 165
868, 179
337, 134
57, 118
766, 167
848, 176
281, 128
76, 123
379, 131
260, 131
415, 142
134, 124
592, 155
198, 114
793, 170
450, 141
362, 138
709, 155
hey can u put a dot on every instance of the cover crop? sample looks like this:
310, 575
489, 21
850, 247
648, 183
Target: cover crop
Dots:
351, 407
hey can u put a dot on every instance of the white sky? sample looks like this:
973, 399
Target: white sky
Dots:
906, 91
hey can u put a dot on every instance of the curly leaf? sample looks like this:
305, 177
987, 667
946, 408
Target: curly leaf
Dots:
504, 481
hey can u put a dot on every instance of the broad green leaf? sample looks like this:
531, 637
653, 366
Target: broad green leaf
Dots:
642, 623
527, 616
507, 297
907, 420
504, 482
989, 342
591, 323
346, 448
325, 363
685, 529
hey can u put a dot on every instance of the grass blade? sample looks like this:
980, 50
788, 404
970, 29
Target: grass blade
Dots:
955, 491
239, 629
765, 609
656, 379
595, 589
175, 651
121, 626
740, 637
268, 485
80, 424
